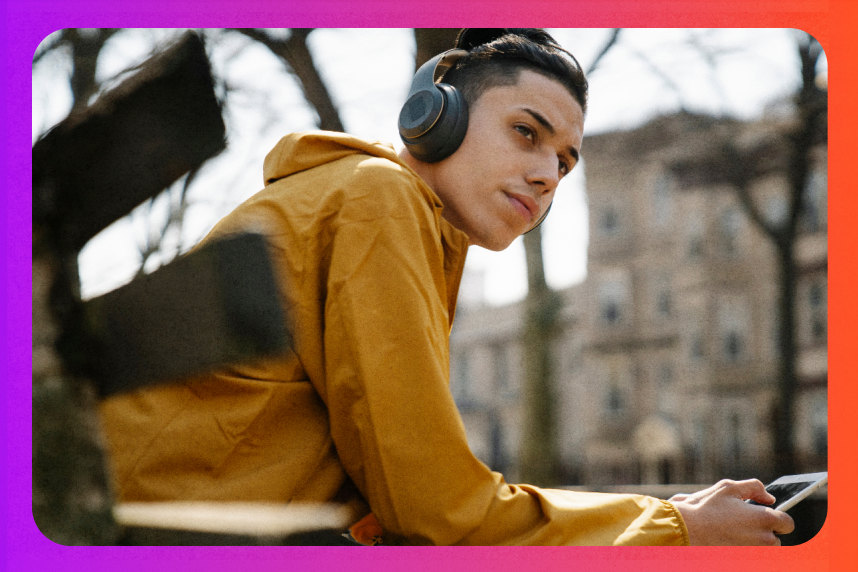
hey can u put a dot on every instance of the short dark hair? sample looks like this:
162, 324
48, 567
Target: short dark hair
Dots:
499, 62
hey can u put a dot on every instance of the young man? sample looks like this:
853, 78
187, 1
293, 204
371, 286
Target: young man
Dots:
370, 248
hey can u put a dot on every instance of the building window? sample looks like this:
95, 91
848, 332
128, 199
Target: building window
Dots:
611, 312
819, 328
501, 366
695, 247
698, 446
733, 324
665, 375
776, 209
730, 225
615, 400
813, 216
612, 297
697, 347
616, 384
820, 440
694, 230
662, 200
816, 295
816, 298
819, 424
664, 303
609, 222
733, 346
734, 452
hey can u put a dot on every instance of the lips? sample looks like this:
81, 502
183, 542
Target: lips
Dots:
525, 205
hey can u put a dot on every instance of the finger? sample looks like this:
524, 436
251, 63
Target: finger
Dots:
772, 521
784, 523
753, 489
768, 539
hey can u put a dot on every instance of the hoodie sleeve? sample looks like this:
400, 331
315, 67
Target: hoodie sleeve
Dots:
393, 419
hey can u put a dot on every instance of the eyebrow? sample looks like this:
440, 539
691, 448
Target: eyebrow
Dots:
550, 128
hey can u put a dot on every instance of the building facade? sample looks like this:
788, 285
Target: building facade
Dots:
666, 358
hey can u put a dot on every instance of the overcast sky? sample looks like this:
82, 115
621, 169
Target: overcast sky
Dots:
648, 72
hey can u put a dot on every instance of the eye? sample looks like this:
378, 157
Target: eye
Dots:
564, 168
526, 131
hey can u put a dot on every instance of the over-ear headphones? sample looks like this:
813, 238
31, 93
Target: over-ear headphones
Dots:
434, 120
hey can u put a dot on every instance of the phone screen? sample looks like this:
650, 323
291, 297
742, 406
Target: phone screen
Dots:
784, 491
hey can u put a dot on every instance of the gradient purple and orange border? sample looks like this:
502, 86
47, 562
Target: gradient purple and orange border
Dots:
27, 22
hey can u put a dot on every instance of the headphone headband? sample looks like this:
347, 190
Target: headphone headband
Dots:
434, 69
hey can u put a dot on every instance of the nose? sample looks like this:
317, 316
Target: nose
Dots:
545, 173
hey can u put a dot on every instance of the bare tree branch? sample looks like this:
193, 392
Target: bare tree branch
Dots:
612, 40
57, 41
296, 55
711, 56
668, 81
85, 47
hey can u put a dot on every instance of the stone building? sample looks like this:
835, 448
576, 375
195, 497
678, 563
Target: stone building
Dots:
667, 355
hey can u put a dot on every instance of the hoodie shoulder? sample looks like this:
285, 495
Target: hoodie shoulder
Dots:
345, 173
304, 150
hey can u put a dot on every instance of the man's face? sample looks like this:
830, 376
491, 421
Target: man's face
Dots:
521, 140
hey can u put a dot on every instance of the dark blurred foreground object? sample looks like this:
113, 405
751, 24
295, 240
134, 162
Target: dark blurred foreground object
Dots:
217, 305
102, 161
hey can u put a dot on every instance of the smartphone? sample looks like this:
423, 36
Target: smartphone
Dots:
790, 490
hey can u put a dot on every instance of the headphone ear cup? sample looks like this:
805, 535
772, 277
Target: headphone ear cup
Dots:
420, 113
441, 137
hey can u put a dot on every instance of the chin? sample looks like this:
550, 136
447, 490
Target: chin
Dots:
496, 237
496, 244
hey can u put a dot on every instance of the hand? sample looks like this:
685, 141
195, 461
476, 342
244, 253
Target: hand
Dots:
718, 516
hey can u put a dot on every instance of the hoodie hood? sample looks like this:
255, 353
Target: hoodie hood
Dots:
304, 150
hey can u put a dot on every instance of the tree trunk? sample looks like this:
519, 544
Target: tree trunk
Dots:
784, 423
539, 462
740, 168
539, 457
433, 41
812, 105
85, 47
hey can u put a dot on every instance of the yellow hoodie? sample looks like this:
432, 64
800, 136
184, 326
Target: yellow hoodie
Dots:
359, 412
